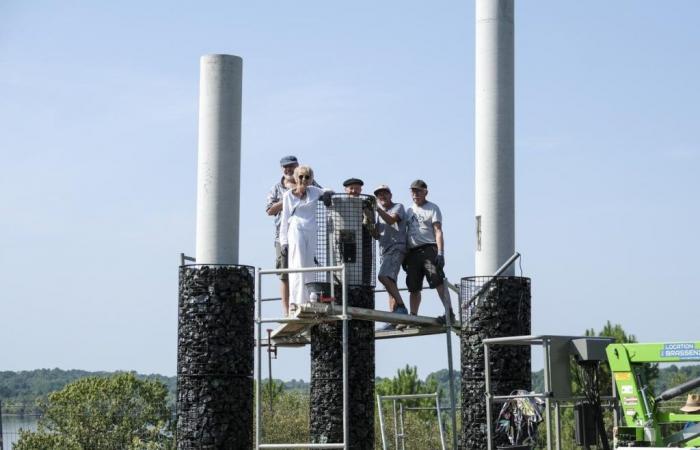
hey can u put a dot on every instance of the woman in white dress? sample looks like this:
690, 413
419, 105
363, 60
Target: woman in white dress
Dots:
298, 231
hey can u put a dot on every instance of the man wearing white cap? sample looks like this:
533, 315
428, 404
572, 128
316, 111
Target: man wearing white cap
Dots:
391, 234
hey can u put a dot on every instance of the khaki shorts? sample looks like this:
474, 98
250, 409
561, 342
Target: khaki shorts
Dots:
420, 262
390, 263
281, 262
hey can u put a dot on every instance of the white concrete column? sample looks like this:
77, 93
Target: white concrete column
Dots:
219, 159
494, 135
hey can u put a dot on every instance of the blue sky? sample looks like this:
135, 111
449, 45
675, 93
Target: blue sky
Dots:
98, 123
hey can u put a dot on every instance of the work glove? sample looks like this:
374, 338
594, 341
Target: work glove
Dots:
371, 203
440, 260
284, 251
327, 198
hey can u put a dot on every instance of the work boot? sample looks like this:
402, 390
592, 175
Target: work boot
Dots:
442, 321
401, 309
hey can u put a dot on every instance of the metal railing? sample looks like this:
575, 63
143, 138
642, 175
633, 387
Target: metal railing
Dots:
400, 434
259, 320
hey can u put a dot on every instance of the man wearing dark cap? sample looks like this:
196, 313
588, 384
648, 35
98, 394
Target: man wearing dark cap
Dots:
273, 207
353, 186
426, 247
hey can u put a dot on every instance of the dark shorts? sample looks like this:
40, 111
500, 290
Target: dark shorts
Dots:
281, 262
420, 262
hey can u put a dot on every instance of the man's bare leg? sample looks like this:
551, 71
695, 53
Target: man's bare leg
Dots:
444, 297
415, 302
284, 294
393, 291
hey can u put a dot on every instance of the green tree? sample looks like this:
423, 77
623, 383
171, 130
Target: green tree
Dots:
406, 381
650, 371
98, 413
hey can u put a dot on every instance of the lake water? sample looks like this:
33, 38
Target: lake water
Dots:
11, 426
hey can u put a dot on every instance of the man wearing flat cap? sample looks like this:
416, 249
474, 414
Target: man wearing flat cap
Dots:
273, 207
426, 249
391, 234
353, 186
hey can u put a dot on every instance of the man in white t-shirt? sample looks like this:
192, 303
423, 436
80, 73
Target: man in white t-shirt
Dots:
426, 249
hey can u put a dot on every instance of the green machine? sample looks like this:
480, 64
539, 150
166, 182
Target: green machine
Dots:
641, 424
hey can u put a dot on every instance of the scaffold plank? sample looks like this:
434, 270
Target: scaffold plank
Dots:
295, 333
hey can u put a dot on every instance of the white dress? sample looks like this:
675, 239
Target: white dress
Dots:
298, 230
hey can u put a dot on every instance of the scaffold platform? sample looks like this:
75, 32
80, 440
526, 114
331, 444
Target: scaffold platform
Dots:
295, 333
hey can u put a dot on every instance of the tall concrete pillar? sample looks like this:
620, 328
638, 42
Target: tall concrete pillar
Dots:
494, 133
503, 306
219, 159
216, 295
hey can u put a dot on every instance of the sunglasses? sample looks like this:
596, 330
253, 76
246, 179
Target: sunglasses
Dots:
304, 177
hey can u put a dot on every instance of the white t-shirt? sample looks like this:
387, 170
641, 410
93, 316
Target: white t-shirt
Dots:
420, 220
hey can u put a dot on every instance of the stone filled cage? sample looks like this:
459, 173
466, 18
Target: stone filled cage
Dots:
476, 289
345, 229
215, 356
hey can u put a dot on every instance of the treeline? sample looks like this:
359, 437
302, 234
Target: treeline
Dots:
21, 392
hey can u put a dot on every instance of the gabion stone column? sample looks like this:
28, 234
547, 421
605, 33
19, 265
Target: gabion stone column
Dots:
215, 357
344, 239
326, 403
503, 309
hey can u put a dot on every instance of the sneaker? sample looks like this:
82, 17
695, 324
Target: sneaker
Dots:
441, 319
388, 327
401, 309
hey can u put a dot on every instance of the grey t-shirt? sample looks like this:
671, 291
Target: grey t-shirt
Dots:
392, 236
420, 220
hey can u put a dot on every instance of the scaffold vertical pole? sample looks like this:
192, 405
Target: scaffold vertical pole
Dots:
403, 433
448, 333
547, 390
258, 366
396, 427
487, 388
381, 422
439, 419
346, 386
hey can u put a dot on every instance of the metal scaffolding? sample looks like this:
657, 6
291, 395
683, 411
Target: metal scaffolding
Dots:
294, 332
399, 434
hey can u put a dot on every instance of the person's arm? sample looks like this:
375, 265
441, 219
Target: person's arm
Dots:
390, 219
440, 241
274, 209
274, 204
284, 225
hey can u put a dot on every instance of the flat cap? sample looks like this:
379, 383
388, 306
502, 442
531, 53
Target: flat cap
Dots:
350, 181
419, 184
382, 187
287, 160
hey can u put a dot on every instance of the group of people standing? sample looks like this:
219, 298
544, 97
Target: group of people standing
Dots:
411, 237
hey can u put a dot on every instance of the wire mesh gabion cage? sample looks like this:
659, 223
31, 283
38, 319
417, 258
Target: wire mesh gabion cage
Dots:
492, 307
474, 290
345, 229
